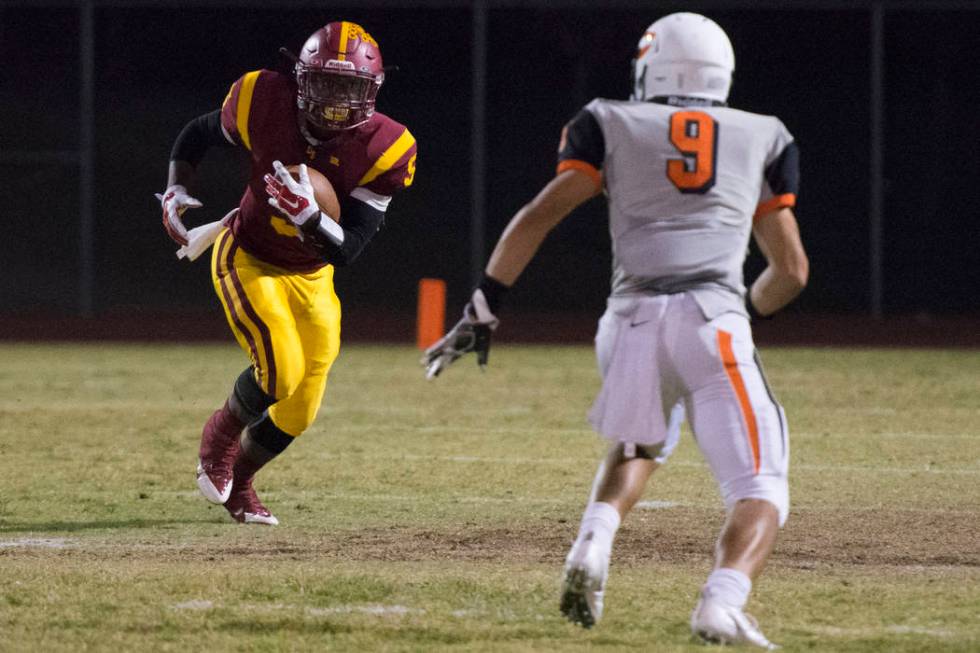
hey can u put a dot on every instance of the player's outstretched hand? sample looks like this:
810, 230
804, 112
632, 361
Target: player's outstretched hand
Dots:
175, 201
471, 333
294, 199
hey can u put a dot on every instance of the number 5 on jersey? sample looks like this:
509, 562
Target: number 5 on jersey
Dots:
695, 135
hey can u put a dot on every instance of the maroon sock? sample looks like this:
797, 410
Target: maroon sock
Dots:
221, 428
225, 421
252, 457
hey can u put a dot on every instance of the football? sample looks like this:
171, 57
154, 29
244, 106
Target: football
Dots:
323, 190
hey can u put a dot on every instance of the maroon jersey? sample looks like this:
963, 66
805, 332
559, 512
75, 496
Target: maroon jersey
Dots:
260, 114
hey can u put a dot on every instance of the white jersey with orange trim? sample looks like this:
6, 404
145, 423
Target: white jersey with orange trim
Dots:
684, 179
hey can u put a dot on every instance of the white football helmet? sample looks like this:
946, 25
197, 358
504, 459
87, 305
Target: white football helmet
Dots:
683, 54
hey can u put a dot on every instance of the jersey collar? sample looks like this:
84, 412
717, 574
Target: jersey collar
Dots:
687, 101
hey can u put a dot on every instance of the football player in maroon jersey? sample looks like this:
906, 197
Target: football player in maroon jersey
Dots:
272, 267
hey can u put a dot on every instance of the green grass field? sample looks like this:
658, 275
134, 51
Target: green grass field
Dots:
420, 516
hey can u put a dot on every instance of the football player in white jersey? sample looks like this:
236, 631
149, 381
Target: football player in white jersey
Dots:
688, 181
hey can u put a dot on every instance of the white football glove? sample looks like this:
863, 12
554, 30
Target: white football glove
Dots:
471, 333
175, 201
294, 199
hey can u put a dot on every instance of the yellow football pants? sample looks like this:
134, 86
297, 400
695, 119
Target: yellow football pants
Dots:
287, 322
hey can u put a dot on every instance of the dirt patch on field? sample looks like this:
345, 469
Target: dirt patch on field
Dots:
811, 539
902, 538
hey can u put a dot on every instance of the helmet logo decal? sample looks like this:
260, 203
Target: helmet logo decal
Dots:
352, 32
355, 31
337, 114
340, 65
647, 42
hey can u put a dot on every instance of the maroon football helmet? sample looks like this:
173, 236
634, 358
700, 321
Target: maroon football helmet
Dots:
339, 73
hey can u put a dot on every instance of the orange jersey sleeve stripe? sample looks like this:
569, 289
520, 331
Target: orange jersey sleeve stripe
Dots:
245, 106
738, 384
777, 202
581, 166
389, 158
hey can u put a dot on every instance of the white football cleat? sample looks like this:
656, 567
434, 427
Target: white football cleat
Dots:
213, 484
584, 582
216, 459
245, 507
718, 623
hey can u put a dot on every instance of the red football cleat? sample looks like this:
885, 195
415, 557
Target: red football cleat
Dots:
244, 506
219, 448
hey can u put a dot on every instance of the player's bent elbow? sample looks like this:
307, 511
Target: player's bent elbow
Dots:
800, 274
795, 271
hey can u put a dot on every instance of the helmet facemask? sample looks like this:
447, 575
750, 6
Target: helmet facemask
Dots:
338, 74
336, 99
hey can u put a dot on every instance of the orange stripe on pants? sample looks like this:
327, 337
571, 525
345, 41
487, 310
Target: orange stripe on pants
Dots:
738, 384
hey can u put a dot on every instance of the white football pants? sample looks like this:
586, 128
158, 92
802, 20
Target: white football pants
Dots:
659, 359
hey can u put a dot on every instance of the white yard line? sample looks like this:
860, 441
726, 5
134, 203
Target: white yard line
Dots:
585, 431
391, 498
896, 629
571, 462
889, 435
657, 505
575, 501
377, 610
37, 543
682, 463
194, 604
925, 469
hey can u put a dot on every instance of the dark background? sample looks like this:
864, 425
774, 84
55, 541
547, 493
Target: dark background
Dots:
156, 68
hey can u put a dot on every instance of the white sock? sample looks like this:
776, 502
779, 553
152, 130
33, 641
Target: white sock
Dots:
729, 586
602, 521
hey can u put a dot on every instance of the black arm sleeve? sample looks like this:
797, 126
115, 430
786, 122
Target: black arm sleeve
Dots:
197, 136
783, 174
360, 222
583, 140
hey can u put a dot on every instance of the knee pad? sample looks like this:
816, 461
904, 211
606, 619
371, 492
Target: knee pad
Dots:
773, 488
268, 435
250, 400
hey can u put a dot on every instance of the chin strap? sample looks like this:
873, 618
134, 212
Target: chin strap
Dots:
305, 130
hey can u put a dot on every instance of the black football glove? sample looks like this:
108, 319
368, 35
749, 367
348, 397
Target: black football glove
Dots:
471, 333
